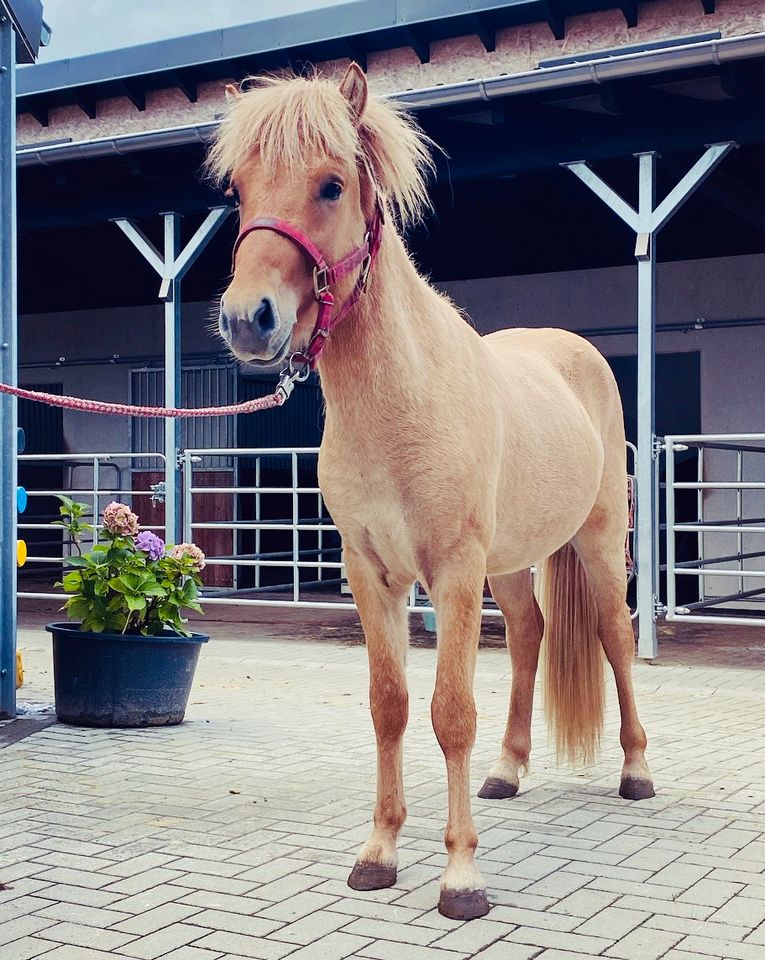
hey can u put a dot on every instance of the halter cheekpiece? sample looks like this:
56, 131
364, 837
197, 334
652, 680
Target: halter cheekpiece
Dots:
324, 275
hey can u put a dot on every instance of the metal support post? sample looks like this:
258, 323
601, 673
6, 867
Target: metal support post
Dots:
96, 497
172, 381
646, 514
646, 222
669, 452
172, 266
8, 370
295, 530
188, 482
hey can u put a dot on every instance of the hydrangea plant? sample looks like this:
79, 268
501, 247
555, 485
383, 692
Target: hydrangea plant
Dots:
131, 582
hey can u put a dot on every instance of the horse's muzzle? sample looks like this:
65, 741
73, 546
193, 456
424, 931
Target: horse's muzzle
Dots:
255, 332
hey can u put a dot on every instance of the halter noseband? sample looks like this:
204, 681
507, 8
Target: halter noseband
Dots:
324, 276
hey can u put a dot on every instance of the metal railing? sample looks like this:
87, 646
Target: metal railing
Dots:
269, 527
100, 467
729, 529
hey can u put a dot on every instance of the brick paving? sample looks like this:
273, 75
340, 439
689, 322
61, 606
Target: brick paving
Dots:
231, 836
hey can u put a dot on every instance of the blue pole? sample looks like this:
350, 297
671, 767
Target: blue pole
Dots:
173, 368
8, 370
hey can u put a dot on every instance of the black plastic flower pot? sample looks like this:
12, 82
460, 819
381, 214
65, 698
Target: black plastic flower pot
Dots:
111, 680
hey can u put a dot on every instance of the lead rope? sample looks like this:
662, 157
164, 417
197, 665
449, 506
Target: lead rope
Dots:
279, 397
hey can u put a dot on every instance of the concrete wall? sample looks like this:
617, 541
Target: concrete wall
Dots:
92, 334
727, 288
517, 49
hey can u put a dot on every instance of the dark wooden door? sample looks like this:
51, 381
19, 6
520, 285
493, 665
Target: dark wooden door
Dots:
208, 507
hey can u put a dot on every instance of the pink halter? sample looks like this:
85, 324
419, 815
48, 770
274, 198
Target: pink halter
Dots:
324, 275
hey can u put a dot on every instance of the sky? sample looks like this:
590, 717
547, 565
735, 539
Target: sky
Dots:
89, 26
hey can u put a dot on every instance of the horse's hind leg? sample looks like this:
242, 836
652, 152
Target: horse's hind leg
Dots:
514, 594
600, 545
382, 609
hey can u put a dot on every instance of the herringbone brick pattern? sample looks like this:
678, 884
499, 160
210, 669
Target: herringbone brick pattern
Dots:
232, 835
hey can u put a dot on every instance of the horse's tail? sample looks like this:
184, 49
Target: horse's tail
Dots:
574, 692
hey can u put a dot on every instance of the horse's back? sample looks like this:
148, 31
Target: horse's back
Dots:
567, 356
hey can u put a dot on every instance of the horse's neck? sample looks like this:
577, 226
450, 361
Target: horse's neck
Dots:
381, 346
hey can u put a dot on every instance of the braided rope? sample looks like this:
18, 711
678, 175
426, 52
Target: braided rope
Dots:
275, 399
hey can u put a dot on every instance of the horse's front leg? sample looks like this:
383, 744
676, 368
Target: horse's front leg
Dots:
457, 592
382, 609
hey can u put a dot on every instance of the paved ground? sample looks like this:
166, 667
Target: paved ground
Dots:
232, 835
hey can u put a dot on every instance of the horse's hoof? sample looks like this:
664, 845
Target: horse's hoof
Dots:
496, 789
632, 788
463, 904
372, 876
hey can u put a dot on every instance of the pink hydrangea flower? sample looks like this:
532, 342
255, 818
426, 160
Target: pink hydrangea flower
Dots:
120, 520
189, 550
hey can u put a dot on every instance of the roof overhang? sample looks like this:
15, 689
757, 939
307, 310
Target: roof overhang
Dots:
542, 81
342, 29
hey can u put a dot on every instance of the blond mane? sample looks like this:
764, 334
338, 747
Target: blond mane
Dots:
295, 120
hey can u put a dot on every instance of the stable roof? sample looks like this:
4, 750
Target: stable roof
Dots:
344, 28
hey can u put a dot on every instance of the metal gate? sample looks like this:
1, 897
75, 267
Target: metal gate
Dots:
94, 478
726, 540
262, 522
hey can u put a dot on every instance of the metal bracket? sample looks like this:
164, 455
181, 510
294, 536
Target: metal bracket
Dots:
166, 290
158, 491
658, 447
643, 246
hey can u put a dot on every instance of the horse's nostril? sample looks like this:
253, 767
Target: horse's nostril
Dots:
225, 326
265, 317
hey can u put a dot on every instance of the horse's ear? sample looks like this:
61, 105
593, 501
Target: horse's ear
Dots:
232, 92
354, 88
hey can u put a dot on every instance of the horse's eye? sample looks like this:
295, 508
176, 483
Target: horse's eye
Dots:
331, 190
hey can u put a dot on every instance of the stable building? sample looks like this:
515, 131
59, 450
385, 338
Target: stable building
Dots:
564, 125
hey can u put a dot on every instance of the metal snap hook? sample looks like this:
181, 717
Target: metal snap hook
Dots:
296, 374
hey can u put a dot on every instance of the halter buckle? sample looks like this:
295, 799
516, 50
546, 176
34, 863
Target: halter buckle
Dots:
366, 266
320, 281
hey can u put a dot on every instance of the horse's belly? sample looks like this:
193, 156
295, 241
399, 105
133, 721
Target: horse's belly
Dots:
542, 506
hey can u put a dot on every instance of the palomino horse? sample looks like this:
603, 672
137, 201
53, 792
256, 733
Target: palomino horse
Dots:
447, 457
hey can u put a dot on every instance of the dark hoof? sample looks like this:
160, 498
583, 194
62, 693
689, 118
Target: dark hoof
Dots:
463, 904
372, 876
496, 789
634, 789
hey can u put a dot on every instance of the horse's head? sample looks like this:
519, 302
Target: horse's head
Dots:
316, 156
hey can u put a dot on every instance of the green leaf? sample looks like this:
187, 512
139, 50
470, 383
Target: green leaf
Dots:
135, 603
130, 580
72, 581
77, 608
154, 590
77, 562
